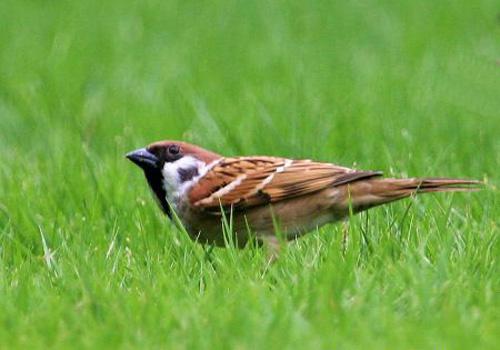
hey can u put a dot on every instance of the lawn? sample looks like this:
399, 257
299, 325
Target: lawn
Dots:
88, 261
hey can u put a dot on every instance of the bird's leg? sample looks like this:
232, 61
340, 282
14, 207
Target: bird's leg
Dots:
272, 245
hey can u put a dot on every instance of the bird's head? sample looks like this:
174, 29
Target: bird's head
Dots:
171, 167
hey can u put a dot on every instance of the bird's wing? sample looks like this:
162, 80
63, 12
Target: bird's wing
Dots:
244, 182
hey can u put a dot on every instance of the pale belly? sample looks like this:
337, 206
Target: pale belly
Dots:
290, 219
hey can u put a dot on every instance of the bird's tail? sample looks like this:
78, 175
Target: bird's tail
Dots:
372, 192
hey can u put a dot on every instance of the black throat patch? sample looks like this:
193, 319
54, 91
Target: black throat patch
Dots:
154, 178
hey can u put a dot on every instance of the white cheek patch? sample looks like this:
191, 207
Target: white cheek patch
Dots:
172, 182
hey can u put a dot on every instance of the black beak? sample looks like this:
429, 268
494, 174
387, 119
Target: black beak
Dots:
143, 158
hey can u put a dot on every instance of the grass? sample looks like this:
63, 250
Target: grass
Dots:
87, 260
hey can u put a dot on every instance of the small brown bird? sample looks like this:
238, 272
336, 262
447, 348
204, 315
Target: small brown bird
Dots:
259, 192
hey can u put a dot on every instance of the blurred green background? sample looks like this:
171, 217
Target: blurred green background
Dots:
86, 260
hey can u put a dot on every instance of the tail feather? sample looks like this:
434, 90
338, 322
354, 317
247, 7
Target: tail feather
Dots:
373, 192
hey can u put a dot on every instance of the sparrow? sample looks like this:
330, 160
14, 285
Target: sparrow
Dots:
260, 194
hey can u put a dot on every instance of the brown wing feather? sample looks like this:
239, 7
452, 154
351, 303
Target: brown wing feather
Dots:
250, 181
227, 171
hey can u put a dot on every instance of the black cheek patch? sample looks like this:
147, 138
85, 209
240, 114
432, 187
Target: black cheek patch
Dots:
187, 174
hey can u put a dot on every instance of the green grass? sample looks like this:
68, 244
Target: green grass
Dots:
86, 258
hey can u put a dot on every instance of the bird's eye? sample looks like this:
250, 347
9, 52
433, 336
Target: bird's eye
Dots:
174, 149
